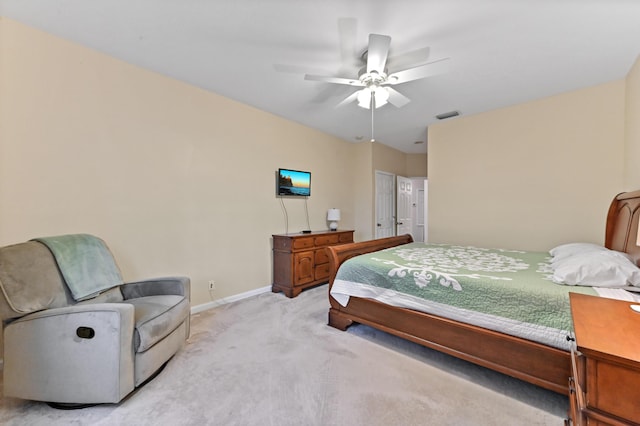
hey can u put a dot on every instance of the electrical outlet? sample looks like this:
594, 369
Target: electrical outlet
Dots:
212, 285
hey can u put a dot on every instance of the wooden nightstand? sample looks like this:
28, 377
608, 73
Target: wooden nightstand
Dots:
301, 260
605, 387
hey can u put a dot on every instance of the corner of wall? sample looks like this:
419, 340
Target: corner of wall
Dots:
632, 127
363, 182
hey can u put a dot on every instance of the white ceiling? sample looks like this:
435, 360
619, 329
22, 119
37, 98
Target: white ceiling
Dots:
257, 51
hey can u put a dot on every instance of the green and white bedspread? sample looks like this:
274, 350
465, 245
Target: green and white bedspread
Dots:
503, 290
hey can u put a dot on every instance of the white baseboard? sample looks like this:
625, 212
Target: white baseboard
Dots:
219, 302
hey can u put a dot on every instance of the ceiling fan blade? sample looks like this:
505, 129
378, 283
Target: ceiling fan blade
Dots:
396, 98
408, 59
377, 52
336, 80
423, 71
352, 97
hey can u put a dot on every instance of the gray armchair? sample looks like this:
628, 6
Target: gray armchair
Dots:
74, 333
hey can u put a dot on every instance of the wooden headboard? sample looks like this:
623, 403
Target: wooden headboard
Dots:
622, 224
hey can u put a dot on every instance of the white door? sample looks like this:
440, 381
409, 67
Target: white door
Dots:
385, 205
418, 208
404, 189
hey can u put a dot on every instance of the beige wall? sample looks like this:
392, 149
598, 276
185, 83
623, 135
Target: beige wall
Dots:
388, 159
529, 176
416, 165
178, 180
174, 178
364, 196
391, 160
632, 128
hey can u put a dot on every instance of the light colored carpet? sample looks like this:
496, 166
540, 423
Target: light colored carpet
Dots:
270, 360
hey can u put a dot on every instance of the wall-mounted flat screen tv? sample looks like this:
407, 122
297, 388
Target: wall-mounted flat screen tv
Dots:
293, 183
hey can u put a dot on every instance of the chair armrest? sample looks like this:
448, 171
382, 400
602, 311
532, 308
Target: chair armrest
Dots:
51, 355
125, 310
180, 286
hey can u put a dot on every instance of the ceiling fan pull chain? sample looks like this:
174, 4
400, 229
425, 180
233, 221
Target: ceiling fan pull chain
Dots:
373, 107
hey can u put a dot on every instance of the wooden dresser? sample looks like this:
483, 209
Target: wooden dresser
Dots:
605, 387
301, 261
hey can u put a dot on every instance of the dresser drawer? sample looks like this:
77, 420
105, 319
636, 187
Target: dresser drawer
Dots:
303, 243
321, 256
327, 240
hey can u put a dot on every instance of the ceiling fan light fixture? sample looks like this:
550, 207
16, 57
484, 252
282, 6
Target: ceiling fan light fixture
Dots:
381, 96
364, 98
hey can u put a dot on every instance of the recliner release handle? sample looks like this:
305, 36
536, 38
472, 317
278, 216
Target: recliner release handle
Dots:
85, 332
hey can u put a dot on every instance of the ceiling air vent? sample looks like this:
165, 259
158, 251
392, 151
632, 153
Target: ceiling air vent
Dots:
446, 115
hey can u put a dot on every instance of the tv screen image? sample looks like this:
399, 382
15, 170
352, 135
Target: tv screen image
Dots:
294, 183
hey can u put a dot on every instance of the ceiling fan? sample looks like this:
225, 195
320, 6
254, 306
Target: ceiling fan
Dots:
374, 78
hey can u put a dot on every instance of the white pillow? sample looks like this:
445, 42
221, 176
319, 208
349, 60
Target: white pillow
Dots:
597, 268
563, 251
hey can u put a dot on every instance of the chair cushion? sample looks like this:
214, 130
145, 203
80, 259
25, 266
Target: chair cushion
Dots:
29, 279
156, 317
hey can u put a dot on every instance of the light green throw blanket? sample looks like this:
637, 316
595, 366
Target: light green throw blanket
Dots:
85, 262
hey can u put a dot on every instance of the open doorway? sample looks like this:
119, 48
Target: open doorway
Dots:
419, 209
400, 206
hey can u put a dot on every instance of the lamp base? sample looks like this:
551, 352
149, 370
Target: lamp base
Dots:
333, 226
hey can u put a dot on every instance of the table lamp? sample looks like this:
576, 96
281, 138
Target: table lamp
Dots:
333, 216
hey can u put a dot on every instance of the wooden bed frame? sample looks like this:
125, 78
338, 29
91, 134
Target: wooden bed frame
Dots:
532, 362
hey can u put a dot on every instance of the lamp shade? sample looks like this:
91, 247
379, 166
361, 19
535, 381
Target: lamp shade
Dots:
333, 214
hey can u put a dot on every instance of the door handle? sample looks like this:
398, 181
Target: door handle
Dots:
378, 224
